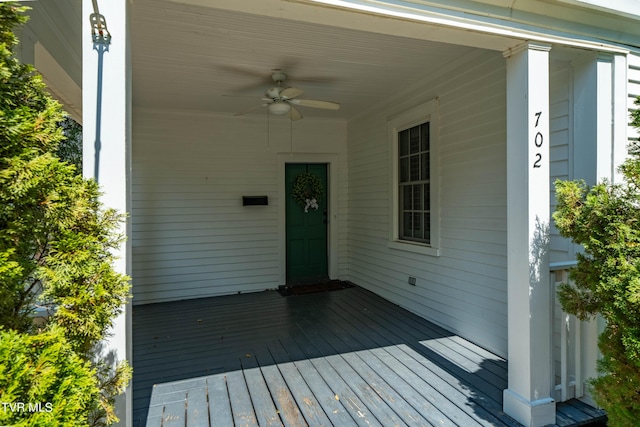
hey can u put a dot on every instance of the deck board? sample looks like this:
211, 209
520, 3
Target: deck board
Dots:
342, 358
429, 382
363, 383
340, 390
309, 386
263, 405
240, 399
299, 403
197, 410
220, 406
403, 400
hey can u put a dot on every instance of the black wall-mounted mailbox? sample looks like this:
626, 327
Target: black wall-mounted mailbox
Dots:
255, 200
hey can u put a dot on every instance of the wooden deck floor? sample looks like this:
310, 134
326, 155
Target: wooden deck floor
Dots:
341, 358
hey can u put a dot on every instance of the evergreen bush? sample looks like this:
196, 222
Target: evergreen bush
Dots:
56, 249
46, 383
605, 220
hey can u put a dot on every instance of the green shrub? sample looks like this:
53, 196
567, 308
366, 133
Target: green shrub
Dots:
605, 220
46, 383
56, 246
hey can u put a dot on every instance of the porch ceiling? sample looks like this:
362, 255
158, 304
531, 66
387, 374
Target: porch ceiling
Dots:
191, 57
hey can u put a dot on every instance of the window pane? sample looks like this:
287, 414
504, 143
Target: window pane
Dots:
424, 166
414, 142
424, 136
417, 225
427, 227
406, 197
417, 197
415, 168
427, 198
403, 142
404, 170
414, 183
406, 224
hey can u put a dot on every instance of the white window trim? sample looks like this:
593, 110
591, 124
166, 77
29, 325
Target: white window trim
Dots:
407, 119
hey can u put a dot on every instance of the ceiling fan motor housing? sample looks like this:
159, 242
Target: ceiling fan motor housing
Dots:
278, 76
273, 92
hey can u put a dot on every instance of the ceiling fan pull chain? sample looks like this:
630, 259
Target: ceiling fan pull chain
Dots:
268, 130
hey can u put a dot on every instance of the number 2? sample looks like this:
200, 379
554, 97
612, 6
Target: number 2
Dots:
537, 164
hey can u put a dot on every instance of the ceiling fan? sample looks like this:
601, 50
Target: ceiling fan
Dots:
281, 101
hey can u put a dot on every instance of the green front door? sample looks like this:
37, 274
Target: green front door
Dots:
306, 231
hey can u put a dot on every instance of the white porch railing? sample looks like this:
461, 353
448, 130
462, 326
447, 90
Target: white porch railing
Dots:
566, 343
575, 349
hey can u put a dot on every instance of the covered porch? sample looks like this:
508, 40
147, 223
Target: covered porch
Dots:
167, 145
346, 357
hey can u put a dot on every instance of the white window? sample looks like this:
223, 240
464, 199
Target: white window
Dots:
414, 200
414, 187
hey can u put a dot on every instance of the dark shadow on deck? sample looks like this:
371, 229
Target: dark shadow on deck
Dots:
353, 332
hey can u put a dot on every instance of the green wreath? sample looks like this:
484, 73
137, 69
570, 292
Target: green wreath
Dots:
307, 190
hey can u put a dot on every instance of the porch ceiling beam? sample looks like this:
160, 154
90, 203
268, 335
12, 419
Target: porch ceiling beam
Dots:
528, 398
378, 21
481, 21
627, 8
414, 20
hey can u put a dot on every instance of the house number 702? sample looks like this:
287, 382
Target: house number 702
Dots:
538, 140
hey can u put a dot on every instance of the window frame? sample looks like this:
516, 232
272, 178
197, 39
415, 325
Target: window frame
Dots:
427, 112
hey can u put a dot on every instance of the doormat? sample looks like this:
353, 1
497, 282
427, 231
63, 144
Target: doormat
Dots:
331, 285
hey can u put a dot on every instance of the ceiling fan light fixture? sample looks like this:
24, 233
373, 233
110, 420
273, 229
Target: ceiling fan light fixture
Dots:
279, 108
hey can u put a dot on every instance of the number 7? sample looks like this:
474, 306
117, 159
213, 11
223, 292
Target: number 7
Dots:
538, 114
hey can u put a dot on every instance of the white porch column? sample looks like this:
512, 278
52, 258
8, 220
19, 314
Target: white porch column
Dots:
600, 120
600, 117
528, 398
106, 76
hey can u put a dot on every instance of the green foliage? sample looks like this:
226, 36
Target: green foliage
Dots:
46, 373
56, 247
70, 148
634, 147
28, 116
605, 220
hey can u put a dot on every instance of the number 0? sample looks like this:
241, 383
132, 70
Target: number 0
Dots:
538, 140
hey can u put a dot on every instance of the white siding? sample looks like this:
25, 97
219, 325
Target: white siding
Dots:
560, 95
191, 235
634, 90
465, 289
52, 40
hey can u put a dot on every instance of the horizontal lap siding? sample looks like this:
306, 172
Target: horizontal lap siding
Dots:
634, 90
560, 94
465, 289
191, 235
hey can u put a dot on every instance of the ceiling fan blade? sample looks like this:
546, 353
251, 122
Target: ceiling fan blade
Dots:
249, 110
291, 92
295, 114
234, 96
314, 103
